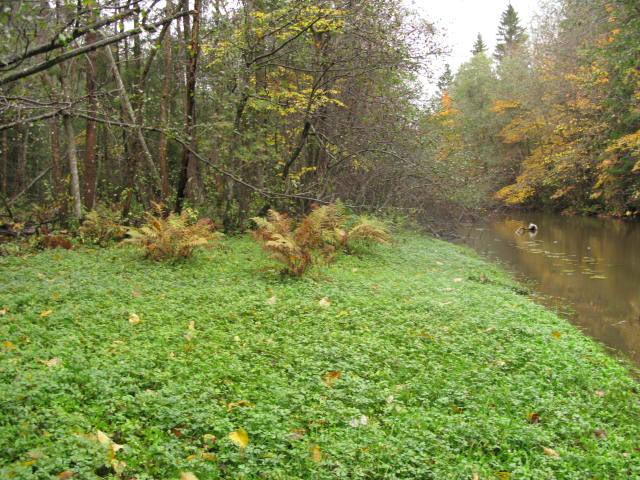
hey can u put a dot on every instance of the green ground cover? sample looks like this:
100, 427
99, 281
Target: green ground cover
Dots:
417, 360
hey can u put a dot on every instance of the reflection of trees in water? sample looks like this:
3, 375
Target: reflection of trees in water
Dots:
564, 257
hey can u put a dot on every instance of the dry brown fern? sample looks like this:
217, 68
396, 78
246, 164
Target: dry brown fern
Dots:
276, 237
171, 238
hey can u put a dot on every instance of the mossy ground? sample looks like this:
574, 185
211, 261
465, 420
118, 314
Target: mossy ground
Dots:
445, 371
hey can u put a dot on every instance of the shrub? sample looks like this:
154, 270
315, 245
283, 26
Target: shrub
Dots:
328, 231
173, 237
368, 230
102, 226
53, 241
321, 230
287, 246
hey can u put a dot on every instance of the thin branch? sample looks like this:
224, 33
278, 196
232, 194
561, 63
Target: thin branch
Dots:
26, 189
60, 40
84, 49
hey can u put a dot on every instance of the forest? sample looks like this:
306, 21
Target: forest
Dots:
222, 241
235, 107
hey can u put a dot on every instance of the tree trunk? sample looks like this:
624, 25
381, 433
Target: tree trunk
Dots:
165, 105
21, 169
131, 117
56, 164
4, 162
73, 165
70, 135
192, 47
90, 166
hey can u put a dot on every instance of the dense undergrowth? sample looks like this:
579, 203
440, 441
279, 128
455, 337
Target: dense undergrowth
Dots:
417, 360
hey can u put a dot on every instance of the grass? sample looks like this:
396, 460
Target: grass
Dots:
416, 361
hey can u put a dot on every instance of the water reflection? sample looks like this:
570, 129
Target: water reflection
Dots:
592, 263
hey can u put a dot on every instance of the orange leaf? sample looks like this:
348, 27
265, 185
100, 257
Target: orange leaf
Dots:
330, 378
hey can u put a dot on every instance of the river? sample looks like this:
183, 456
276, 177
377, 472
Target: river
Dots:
586, 268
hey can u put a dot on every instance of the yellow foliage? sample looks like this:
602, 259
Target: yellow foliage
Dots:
501, 106
173, 237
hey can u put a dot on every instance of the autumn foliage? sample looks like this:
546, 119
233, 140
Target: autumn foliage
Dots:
320, 234
172, 237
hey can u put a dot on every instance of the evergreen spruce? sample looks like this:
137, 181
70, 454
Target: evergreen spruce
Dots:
446, 79
479, 46
511, 35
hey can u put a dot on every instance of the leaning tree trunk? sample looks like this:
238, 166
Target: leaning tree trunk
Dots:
131, 116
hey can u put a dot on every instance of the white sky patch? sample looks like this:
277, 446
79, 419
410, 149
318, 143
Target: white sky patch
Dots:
462, 20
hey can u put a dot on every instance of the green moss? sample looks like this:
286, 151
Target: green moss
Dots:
435, 347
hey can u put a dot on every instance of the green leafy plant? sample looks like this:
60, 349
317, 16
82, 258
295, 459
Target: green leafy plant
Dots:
172, 237
102, 226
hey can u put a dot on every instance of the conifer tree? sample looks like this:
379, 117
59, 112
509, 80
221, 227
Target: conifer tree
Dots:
446, 79
479, 46
511, 35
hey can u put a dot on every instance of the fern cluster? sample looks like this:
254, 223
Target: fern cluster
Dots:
285, 245
102, 226
325, 231
172, 237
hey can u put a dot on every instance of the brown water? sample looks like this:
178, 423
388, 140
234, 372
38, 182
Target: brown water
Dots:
591, 266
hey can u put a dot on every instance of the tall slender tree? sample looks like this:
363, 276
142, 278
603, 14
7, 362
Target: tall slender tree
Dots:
511, 35
446, 79
479, 46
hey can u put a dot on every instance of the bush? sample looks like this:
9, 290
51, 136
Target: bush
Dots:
330, 230
173, 237
368, 231
322, 230
102, 226
287, 246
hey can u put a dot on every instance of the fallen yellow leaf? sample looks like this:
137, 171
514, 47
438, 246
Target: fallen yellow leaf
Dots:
240, 403
8, 345
134, 319
240, 438
556, 334
46, 313
315, 453
192, 325
330, 378
103, 438
188, 476
3, 311
550, 452
272, 300
324, 302
52, 362
65, 475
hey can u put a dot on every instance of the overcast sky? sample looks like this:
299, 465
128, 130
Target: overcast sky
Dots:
462, 20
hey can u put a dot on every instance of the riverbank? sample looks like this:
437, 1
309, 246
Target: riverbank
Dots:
418, 360
590, 265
